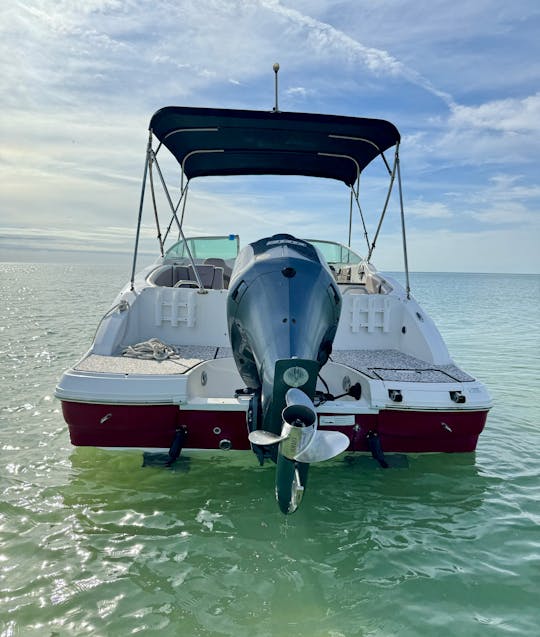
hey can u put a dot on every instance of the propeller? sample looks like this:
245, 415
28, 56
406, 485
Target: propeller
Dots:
300, 440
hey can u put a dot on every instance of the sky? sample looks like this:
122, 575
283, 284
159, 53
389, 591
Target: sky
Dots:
80, 80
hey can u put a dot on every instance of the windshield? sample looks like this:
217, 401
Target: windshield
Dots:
336, 253
225, 247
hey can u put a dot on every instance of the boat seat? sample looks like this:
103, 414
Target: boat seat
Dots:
181, 273
220, 263
211, 276
162, 277
218, 282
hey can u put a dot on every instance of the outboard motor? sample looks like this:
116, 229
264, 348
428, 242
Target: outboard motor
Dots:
283, 310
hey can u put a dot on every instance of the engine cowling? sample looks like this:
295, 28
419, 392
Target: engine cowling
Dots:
283, 310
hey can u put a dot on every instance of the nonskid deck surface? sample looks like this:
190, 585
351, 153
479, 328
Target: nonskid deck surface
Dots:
393, 365
187, 356
388, 365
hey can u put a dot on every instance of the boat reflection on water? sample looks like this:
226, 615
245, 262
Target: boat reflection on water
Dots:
348, 490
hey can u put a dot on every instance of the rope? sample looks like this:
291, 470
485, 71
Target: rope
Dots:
152, 349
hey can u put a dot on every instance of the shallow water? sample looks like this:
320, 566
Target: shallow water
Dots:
91, 543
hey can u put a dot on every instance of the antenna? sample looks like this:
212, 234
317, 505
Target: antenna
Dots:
276, 69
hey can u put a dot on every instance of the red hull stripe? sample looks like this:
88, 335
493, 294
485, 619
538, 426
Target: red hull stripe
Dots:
98, 425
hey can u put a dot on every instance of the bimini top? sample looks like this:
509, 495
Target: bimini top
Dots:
208, 141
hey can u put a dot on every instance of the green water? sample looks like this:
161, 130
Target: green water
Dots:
91, 543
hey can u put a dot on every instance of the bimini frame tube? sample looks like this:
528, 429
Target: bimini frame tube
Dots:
350, 217
352, 185
355, 194
403, 235
201, 289
387, 200
396, 171
154, 204
141, 203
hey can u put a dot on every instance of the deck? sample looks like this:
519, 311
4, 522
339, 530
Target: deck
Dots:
385, 365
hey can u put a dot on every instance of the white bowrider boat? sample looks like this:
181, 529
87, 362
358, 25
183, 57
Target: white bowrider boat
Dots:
295, 348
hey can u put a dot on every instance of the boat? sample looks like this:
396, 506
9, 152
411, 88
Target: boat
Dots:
295, 348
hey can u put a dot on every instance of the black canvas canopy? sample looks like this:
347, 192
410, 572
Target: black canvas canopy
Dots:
213, 142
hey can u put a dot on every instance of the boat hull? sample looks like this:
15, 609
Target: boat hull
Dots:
154, 426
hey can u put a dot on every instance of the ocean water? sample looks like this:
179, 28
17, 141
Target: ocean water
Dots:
91, 543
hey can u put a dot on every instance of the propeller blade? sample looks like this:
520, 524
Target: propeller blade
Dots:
323, 446
296, 396
317, 445
260, 437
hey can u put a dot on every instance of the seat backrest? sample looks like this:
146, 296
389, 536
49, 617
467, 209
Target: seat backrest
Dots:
206, 275
218, 282
221, 263
211, 276
181, 273
162, 277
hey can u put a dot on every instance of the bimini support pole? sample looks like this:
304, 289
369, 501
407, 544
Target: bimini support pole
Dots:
403, 235
355, 193
182, 200
350, 218
385, 207
141, 203
180, 231
154, 204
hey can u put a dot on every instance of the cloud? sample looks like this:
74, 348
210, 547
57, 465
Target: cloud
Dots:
486, 250
111, 240
507, 201
504, 200
510, 187
508, 115
496, 133
300, 92
428, 209
327, 41
78, 94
